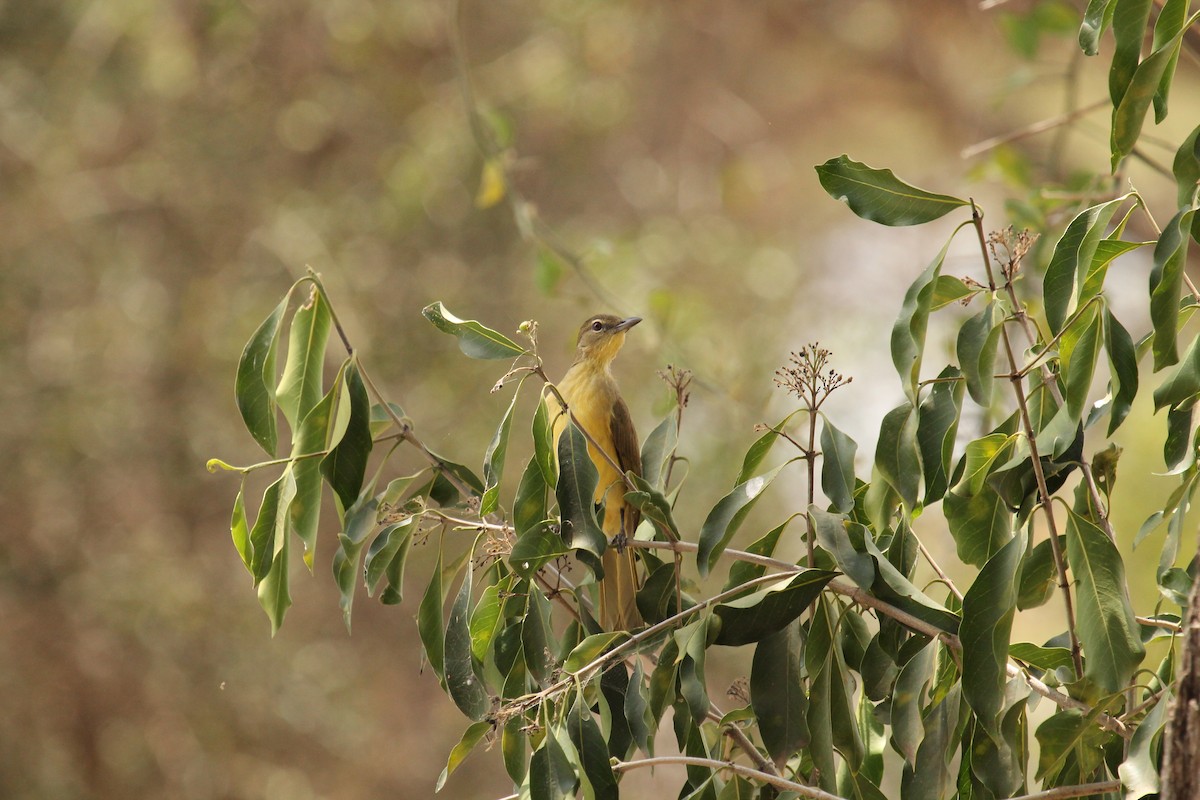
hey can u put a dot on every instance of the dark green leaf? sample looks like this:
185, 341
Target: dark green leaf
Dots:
777, 692
937, 426
977, 342
653, 505
877, 195
577, 478
1107, 629
529, 507
750, 618
534, 637
637, 710
1123, 369
1044, 658
593, 752
1180, 387
462, 682
254, 387
1179, 435
543, 441
551, 773
908, 331
896, 455
981, 524
930, 775
988, 610
837, 468
443, 492
474, 339
1072, 258
1038, 575
1167, 29
907, 701
310, 437
692, 640
429, 621
346, 465
535, 547
268, 536
726, 516
485, 619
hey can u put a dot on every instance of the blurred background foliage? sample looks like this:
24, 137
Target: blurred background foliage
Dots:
168, 168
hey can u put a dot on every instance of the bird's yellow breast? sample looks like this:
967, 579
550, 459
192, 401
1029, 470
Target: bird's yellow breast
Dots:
590, 392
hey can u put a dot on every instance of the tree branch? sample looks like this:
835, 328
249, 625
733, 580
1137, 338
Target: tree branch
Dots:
1063, 792
729, 766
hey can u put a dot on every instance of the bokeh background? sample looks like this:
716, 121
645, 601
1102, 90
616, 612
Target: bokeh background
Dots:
168, 168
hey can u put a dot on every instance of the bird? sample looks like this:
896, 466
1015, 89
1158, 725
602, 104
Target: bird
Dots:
595, 402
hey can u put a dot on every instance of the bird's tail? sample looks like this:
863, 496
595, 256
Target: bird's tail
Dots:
618, 591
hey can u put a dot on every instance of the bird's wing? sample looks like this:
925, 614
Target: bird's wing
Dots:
629, 456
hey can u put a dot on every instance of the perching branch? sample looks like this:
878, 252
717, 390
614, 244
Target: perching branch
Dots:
729, 766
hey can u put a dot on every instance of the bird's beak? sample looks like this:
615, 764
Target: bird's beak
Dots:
627, 323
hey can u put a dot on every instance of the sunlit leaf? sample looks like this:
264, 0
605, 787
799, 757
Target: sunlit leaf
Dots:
484, 619
590, 648
948, 289
239, 529
878, 195
1073, 255
471, 737
300, 384
254, 386
908, 331
474, 339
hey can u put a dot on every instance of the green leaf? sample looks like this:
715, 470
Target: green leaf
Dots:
475, 340
761, 447
535, 547
908, 331
637, 710
984, 456
977, 342
1106, 626
387, 556
1179, 435
1079, 348
1073, 255
937, 426
462, 681
726, 516
1096, 19
381, 419
692, 639
877, 195
1107, 251
346, 465
987, 616
653, 505
1139, 772
1038, 575
239, 529
777, 692
742, 571
1186, 169
658, 449
837, 469
543, 441
1130, 114
485, 619
1068, 736
471, 737
897, 457
593, 752
310, 437
1166, 284
948, 289
300, 385
590, 649
761, 613
551, 773
529, 507
981, 524
577, 478
1129, 21
534, 639
1123, 370
429, 622
359, 522
493, 458
909, 697
1167, 28
268, 537
930, 774
1044, 658
255, 382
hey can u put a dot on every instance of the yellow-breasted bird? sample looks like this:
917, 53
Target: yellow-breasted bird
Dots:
595, 401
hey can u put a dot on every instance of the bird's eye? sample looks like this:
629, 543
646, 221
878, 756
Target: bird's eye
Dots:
597, 325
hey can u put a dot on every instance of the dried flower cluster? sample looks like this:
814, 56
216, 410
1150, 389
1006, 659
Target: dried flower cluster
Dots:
809, 377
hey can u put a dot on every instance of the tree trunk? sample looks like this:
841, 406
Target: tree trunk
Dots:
1181, 741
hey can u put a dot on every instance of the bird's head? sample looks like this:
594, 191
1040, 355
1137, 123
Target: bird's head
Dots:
601, 337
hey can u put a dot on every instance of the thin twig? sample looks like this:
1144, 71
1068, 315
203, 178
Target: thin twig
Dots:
743, 741
737, 769
1063, 792
1031, 129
